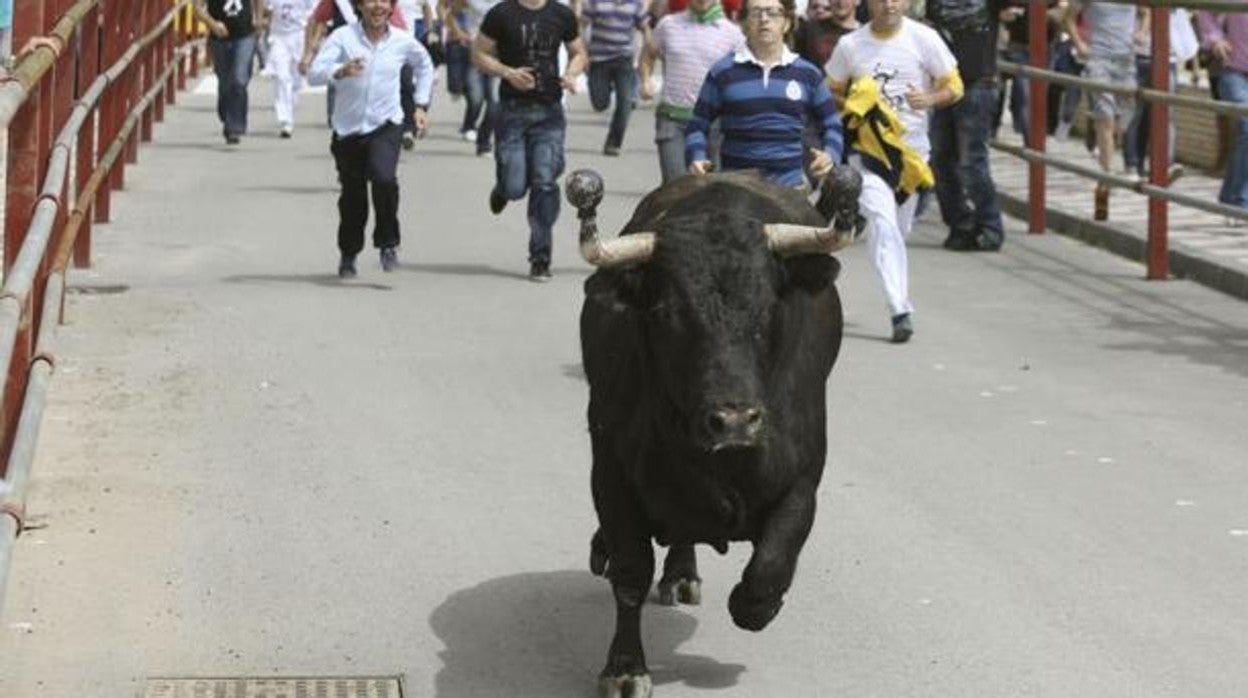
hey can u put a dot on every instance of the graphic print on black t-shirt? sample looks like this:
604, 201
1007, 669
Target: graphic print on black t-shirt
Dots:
235, 14
530, 39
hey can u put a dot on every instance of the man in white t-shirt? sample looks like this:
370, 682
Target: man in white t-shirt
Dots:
916, 72
287, 20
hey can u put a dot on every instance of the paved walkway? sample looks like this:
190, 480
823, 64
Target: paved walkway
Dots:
250, 468
1204, 246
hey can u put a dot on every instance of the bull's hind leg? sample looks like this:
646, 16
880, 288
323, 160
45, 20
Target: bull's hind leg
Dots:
680, 581
757, 598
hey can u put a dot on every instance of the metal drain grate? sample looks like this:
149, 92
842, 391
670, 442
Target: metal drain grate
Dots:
285, 687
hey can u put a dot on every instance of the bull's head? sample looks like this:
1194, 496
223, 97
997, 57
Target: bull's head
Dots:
708, 294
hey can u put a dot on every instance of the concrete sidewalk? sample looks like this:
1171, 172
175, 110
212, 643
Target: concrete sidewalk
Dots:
1203, 247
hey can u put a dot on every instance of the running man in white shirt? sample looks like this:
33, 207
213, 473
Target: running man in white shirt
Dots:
916, 72
286, 20
365, 60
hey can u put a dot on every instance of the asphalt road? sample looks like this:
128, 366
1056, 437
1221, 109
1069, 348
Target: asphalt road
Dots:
250, 468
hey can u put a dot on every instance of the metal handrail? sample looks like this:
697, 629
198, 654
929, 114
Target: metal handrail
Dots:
30, 70
21, 279
1121, 182
1146, 94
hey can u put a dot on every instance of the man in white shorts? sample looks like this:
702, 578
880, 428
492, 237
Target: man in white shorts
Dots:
916, 72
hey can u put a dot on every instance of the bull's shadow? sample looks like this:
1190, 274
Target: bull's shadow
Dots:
546, 634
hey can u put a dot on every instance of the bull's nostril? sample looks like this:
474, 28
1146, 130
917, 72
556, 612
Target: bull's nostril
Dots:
753, 417
717, 422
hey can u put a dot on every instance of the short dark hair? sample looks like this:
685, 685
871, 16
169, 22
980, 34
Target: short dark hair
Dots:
790, 13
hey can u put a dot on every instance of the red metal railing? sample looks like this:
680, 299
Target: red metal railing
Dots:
1156, 187
98, 76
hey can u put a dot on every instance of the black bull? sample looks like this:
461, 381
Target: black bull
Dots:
707, 367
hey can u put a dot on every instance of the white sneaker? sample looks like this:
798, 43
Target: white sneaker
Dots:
287, 130
470, 135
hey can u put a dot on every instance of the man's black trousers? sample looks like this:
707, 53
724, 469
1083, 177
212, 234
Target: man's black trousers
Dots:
363, 160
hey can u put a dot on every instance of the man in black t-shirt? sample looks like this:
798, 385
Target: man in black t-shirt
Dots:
232, 40
960, 132
519, 42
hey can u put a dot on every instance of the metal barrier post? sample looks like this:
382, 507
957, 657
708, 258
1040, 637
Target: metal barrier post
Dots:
147, 63
26, 164
109, 51
88, 70
134, 87
1038, 48
1159, 148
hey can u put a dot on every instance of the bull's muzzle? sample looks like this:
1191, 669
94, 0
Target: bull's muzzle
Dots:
733, 426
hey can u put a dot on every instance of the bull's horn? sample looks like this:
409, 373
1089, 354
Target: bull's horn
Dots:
787, 239
626, 249
584, 189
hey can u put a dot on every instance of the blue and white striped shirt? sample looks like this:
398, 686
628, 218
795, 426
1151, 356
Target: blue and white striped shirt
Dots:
762, 113
612, 24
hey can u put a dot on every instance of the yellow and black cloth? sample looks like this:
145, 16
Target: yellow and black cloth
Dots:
873, 130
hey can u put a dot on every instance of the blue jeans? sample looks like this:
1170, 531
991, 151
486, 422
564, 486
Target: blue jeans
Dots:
481, 91
1233, 87
458, 63
1135, 141
528, 154
618, 75
231, 60
1064, 61
1019, 87
959, 135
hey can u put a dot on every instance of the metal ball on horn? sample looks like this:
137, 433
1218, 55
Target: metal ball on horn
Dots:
584, 190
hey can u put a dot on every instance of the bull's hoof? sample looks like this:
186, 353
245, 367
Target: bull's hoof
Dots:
752, 613
685, 591
626, 686
584, 189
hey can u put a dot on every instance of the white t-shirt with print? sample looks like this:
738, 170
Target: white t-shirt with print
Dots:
915, 57
288, 16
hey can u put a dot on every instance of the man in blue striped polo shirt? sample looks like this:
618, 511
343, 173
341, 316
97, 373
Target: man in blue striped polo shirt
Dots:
763, 96
613, 24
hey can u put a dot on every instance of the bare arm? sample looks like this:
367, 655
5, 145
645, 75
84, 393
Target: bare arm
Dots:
453, 29
645, 67
578, 60
311, 40
217, 28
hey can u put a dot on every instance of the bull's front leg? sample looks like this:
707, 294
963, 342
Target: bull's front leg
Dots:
756, 599
630, 567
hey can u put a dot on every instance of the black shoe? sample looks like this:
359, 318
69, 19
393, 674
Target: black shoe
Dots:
903, 328
497, 202
346, 267
389, 259
231, 139
960, 240
539, 271
484, 149
988, 241
611, 150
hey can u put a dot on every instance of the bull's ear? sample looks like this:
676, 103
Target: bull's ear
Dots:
810, 272
619, 288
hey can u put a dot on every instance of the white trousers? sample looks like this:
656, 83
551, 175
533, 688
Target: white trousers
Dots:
285, 50
888, 226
